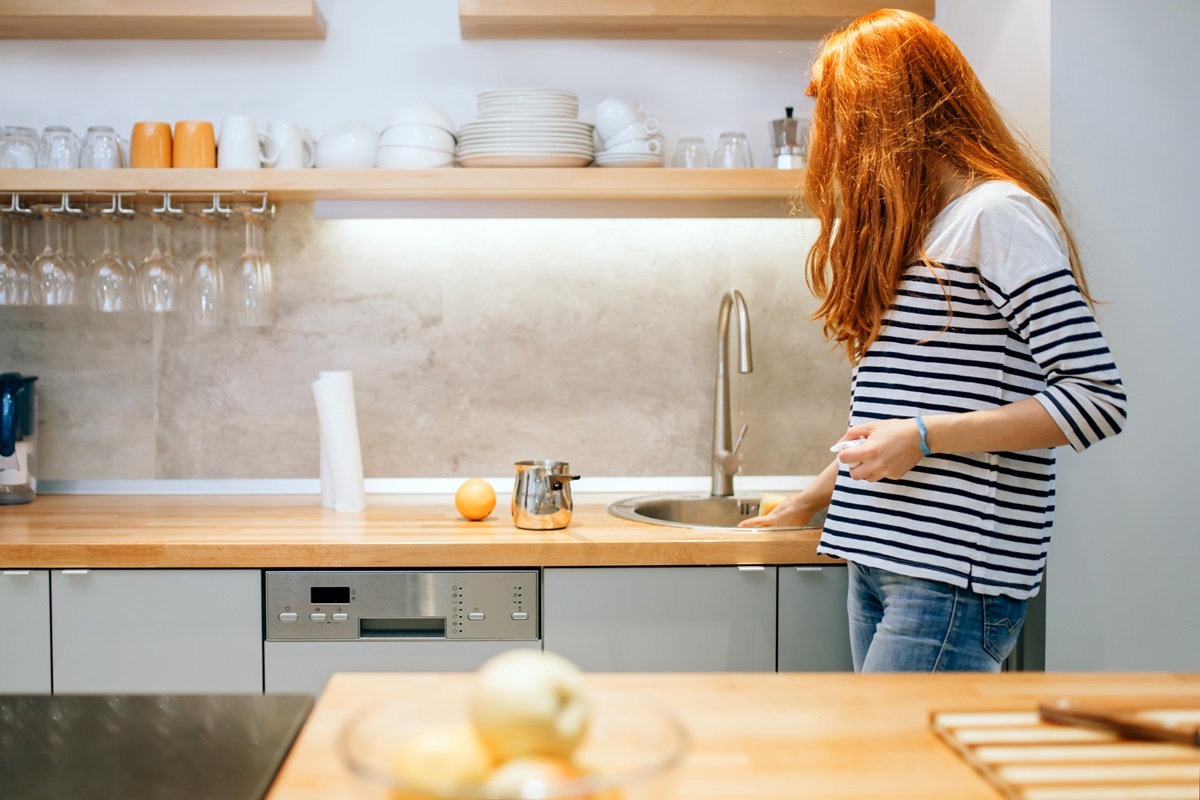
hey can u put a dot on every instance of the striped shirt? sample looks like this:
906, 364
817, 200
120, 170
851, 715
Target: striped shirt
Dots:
1018, 327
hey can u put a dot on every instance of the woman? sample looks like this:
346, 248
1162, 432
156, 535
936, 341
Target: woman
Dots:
946, 272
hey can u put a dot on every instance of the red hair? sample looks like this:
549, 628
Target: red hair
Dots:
898, 108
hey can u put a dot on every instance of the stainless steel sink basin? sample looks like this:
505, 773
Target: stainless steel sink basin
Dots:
695, 511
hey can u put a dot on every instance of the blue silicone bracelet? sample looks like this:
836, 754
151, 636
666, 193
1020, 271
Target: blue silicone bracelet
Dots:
925, 451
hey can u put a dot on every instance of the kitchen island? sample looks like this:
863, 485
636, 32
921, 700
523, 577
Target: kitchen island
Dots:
762, 737
294, 531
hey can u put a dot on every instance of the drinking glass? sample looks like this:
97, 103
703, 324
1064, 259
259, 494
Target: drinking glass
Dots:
102, 149
14, 274
733, 151
252, 282
55, 282
207, 286
59, 148
110, 280
690, 153
158, 279
18, 148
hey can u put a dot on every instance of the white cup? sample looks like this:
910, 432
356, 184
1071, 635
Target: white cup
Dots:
642, 129
612, 115
296, 147
636, 146
241, 146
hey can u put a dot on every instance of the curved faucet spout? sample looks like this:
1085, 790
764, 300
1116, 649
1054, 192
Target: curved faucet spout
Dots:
725, 458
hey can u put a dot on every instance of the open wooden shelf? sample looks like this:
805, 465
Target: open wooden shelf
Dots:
665, 19
161, 19
432, 184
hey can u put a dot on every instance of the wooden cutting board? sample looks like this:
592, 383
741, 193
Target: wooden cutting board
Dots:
1028, 757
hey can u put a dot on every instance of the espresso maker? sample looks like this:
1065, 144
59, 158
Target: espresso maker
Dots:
18, 450
789, 145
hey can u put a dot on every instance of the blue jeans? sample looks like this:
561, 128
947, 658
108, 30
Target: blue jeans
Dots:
902, 624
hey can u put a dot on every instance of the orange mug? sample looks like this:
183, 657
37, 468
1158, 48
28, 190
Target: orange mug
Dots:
150, 145
195, 145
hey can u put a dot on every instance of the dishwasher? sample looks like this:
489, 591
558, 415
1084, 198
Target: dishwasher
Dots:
318, 622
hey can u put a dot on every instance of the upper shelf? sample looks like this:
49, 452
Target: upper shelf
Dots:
161, 19
753, 192
665, 19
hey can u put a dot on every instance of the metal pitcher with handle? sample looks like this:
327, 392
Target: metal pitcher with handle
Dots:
541, 498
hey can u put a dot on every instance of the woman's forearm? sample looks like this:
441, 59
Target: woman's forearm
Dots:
1023, 425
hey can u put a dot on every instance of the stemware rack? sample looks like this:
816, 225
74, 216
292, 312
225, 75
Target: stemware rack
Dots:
128, 205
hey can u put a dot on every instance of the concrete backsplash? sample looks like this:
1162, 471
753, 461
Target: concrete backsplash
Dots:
473, 343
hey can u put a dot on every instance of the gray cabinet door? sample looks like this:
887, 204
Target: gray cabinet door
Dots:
157, 631
292, 667
647, 619
814, 628
24, 631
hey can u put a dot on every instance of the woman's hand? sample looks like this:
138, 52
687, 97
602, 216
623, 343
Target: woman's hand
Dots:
891, 449
793, 511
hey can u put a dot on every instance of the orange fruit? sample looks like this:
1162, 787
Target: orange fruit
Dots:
475, 499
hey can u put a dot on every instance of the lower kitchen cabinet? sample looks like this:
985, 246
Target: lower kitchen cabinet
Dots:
814, 627
25, 631
157, 631
652, 619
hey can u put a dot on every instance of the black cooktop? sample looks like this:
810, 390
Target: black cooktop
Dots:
145, 747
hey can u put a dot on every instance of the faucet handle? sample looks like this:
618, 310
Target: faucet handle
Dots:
731, 461
741, 435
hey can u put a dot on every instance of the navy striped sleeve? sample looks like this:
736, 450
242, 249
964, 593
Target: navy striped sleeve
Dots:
1029, 279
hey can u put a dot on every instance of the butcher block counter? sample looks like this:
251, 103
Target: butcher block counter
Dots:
294, 531
761, 736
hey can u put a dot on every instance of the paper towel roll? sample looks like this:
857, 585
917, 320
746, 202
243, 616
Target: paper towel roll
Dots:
341, 454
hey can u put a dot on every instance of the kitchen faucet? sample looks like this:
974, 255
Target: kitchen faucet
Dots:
726, 460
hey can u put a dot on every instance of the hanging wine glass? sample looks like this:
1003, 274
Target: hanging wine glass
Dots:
207, 286
158, 279
110, 279
252, 283
54, 282
14, 274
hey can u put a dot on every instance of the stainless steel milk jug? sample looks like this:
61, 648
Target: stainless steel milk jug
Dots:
18, 452
541, 498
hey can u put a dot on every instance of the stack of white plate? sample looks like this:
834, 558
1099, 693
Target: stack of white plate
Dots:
611, 159
526, 128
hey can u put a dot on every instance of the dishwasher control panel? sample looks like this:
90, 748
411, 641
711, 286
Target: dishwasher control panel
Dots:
401, 605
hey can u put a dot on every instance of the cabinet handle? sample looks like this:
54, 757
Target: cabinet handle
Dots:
76, 571
16, 572
809, 569
750, 568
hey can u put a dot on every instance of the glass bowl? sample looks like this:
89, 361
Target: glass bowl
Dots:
629, 750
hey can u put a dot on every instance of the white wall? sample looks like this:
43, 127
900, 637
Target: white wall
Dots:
1124, 587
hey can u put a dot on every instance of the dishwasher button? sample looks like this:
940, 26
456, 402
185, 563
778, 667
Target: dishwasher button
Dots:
317, 617
287, 616
520, 615
475, 615
340, 617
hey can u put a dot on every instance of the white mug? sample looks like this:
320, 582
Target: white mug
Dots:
296, 147
241, 146
612, 115
636, 146
642, 129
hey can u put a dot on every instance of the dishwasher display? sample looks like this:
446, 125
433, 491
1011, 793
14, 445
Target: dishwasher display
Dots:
394, 605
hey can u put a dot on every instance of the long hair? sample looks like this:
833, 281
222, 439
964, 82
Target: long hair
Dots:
897, 106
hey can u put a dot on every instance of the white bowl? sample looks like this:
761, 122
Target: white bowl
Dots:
424, 113
404, 157
417, 134
349, 145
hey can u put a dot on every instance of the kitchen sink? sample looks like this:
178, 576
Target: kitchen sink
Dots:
696, 511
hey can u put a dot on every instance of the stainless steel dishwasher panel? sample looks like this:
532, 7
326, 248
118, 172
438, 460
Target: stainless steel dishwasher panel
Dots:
319, 623
401, 605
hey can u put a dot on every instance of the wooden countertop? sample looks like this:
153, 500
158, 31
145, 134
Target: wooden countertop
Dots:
293, 531
762, 736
